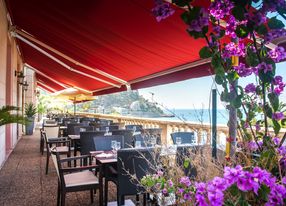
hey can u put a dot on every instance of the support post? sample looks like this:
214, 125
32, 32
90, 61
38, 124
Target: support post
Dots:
214, 123
232, 124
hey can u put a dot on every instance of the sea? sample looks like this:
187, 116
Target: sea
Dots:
196, 115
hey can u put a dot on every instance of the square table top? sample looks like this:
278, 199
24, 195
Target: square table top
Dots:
104, 160
74, 136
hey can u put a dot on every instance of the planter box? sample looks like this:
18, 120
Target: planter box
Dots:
30, 126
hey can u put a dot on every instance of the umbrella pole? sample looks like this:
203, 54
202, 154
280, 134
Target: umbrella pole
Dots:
74, 107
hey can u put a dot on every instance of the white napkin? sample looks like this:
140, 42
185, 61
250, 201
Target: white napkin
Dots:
105, 155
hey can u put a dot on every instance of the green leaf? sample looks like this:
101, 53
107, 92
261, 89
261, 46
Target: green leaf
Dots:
239, 114
234, 190
283, 122
276, 126
275, 23
268, 111
185, 17
224, 96
181, 3
228, 203
186, 163
222, 33
266, 77
262, 30
216, 61
232, 76
236, 102
251, 58
263, 192
242, 31
238, 12
205, 52
219, 79
274, 100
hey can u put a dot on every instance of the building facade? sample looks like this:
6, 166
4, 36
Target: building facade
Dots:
11, 92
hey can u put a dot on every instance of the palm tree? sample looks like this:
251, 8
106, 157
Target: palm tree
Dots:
7, 118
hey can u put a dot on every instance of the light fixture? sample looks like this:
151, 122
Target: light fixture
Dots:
37, 93
25, 86
20, 76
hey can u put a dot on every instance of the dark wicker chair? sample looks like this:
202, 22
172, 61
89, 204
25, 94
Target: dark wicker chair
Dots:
103, 143
131, 160
127, 135
62, 147
75, 179
86, 141
136, 127
110, 127
147, 134
186, 137
71, 127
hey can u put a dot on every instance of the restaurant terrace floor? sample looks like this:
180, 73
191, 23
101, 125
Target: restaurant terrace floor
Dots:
23, 180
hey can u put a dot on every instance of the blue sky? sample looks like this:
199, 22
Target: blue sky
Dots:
193, 93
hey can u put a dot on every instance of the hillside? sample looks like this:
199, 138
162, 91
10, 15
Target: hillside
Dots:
125, 103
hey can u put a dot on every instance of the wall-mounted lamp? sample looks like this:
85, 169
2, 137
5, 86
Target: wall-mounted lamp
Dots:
25, 86
37, 93
20, 76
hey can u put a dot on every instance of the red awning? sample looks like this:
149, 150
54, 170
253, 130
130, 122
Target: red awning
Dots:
121, 38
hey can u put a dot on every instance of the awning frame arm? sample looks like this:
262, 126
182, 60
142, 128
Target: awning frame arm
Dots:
33, 39
14, 34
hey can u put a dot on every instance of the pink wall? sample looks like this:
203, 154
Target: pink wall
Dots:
8, 97
10, 61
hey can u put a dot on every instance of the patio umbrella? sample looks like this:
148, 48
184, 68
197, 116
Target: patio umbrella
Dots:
74, 95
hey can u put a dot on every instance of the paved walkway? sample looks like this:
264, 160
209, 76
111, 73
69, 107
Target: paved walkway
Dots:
23, 180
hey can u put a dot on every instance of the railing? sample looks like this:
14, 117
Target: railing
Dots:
202, 131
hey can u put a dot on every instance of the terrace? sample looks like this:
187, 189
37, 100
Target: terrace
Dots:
82, 49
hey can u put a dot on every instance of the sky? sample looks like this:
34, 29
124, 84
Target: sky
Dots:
195, 93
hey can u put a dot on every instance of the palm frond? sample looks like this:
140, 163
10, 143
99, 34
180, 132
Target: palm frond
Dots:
7, 118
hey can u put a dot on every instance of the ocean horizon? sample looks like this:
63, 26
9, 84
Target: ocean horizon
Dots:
196, 115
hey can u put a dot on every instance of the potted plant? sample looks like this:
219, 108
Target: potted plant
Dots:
30, 112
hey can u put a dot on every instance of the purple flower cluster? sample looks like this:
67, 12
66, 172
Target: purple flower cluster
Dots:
282, 150
232, 49
220, 9
230, 28
257, 18
277, 54
215, 189
252, 146
284, 180
212, 192
278, 116
198, 24
250, 88
185, 181
242, 70
279, 85
245, 181
162, 10
263, 67
201, 193
274, 34
276, 140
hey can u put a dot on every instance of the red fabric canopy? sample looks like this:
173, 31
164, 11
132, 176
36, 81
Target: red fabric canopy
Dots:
121, 38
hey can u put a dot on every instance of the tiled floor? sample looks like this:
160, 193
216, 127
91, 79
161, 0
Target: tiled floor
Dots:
23, 180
